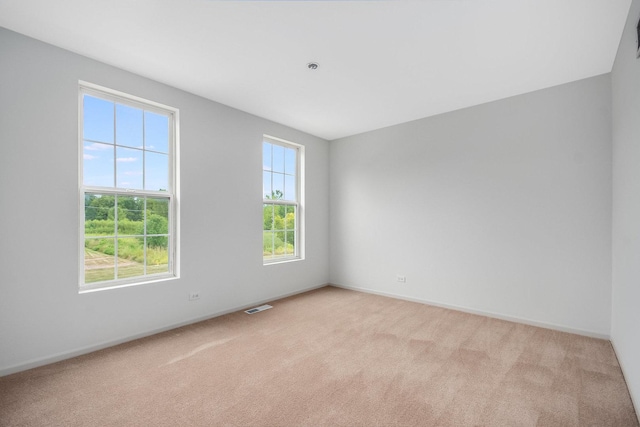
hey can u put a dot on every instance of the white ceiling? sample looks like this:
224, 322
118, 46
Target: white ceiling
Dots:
381, 62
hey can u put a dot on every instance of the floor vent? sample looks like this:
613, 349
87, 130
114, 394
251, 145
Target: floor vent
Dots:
257, 309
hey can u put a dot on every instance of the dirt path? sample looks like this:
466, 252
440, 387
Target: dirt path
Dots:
94, 260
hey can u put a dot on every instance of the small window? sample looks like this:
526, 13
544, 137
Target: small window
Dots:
128, 212
282, 166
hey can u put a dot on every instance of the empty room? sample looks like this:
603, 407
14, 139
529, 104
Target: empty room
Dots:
448, 191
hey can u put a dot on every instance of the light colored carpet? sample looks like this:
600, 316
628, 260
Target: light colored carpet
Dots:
332, 357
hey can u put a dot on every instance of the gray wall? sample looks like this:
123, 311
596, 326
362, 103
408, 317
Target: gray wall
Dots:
502, 208
625, 320
42, 316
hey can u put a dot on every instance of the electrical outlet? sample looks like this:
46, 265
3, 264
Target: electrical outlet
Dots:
401, 279
194, 296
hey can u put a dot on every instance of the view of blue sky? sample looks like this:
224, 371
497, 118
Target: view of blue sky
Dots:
134, 140
279, 170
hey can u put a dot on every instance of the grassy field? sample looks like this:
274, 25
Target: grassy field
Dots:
99, 267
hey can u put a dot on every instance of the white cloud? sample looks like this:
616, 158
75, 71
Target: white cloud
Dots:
126, 159
89, 157
132, 173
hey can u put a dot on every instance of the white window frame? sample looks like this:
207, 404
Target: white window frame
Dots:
298, 203
172, 193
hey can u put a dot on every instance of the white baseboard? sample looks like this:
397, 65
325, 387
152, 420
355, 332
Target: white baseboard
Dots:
34, 363
515, 319
634, 401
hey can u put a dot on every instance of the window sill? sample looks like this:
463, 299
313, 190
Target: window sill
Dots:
96, 287
281, 261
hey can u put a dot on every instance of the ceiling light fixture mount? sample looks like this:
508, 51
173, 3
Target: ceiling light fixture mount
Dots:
313, 65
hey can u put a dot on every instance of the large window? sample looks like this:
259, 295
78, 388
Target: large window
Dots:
282, 189
128, 189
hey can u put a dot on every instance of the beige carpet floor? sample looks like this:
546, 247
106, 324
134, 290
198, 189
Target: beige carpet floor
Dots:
332, 357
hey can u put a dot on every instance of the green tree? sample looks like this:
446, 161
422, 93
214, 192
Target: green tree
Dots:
89, 213
134, 207
158, 206
122, 215
97, 206
275, 195
267, 216
157, 225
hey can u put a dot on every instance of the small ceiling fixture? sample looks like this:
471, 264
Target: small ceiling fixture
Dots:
313, 65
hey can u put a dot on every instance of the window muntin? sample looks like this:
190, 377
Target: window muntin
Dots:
281, 210
128, 176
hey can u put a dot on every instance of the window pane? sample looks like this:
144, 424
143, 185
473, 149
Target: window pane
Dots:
156, 171
278, 217
290, 219
130, 257
278, 243
156, 132
130, 216
157, 254
266, 156
97, 118
289, 240
289, 188
128, 168
278, 158
99, 260
278, 186
99, 215
97, 164
267, 244
128, 126
131, 208
267, 215
266, 185
158, 206
157, 217
290, 161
